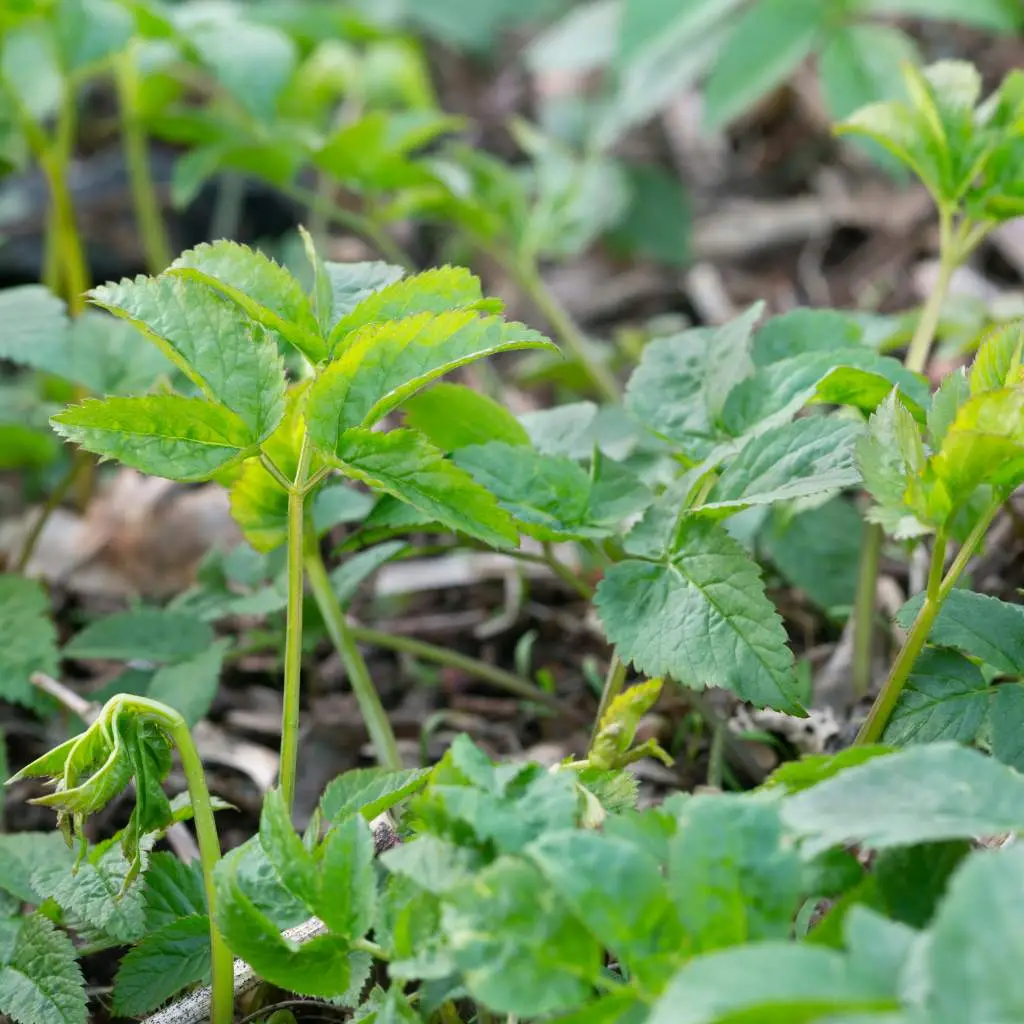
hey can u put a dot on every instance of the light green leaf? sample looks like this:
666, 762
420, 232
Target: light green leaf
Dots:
230, 359
811, 769
369, 791
294, 865
768, 982
42, 983
21, 853
794, 460
977, 624
617, 891
454, 416
702, 618
571, 429
998, 362
769, 42
263, 289
352, 283
28, 640
922, 794
518, 948
974, 937
164, 435
34, 328
729, 358
190, 686
951, 394
998, 15
945, 698
802, 331
89, 31
349, 888
141, 634
166, 961
402, 463
346, 579
817, 550
438, 290
435, 865
732, 872
383, 364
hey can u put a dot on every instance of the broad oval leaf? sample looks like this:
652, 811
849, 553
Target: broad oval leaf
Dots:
382, 364
701, 617
164, 435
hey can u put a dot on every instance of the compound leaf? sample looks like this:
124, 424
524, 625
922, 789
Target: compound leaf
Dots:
232, 360
404, 464
42, 983
263, 289
702, 617
382, 364
28, 640
164, 435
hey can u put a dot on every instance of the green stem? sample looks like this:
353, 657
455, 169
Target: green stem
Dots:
613, 683
563, 326
54, 162
924, 334
864, 609
938, 590
57, 495
497, 677
566, 575
293, 628
152, 231
374, 716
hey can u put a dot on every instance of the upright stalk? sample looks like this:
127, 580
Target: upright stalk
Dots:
293, 629
874, 536
150, 222
374, 716
938, 590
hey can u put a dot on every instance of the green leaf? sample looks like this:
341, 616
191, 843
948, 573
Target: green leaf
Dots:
21, 853
349, 888
802, 331
190, 686
973, 939
733, 874
382, 364
922, 794
435, 865
769, 42
41, 983
294, 865
795, 776
352, 283
817, 550
454, 416
976, 624
998, 362
617, 891
230, 359
142, 634
912, 880
163, 963
771, 983
171, 890
728, 358
28, 640
164, 435
1007, 715
945, 698
951, 394
657, 223
90, 31
369, 791
518, 948
998, 15
702, 618
347, 578
615, 732
402, 463
794, 460
263, 289
438, 290
319, 967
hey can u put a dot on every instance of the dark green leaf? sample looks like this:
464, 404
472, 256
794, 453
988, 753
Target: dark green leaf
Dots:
171, 889
346, 579
1007, 724
142, 634
348, 899
190, 686
41, 982
294, 865
802, 331
369, 791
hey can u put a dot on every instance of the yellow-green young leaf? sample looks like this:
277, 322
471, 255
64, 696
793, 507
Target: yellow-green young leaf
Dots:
439, 290
701, 617
455, 416
383, 364
984, 444
404, 464
231, 359
40, 980
954, 390
263, 288
164, 435
28, 640
619, 723
998, 362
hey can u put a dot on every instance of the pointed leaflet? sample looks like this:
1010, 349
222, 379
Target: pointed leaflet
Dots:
294, 865
383, 364
702, 617
40, 980
228, 357
404, 464
455, 416
263, 288
351, 283
164, 435
439, 290
794, 460
998, 362
28, 640
349, 896
954, 390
